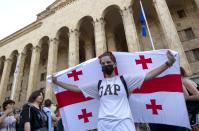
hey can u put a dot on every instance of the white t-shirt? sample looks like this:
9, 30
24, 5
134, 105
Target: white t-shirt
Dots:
112, 95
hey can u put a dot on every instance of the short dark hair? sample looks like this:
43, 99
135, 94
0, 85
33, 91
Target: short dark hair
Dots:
108, 53
182, 71
34, 95
47, 103
7, 102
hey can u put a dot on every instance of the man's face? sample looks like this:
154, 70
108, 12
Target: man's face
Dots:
106, 60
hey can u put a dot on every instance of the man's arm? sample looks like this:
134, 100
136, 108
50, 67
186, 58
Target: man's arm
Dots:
27, 126
89, 89
188, 84
193, 98
155, 72
69, 87
2, 118
186, 94
54, 118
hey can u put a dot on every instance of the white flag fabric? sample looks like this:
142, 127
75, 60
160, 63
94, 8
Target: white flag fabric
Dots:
159, 100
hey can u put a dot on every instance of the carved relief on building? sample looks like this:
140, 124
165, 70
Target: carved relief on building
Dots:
58, 4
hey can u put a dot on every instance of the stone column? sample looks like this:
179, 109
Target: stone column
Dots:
88, 49
1, 63
52, 64
100, 38
111, 43
130, 30
1, 67
5, 78
18, 74
197, 3
73, 48
34, 65
170, 31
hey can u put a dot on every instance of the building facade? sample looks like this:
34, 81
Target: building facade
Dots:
69, 32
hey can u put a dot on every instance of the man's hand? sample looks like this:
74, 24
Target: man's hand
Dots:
171, 58
155, 72
17, 117
54, 80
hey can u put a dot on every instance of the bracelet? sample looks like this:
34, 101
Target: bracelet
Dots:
168, 64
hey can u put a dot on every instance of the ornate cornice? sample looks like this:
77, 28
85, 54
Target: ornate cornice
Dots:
53, 8
20, 33
57, 5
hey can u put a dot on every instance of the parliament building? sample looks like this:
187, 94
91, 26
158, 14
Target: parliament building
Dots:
69, 32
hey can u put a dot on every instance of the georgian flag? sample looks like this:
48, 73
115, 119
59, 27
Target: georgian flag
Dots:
159, 100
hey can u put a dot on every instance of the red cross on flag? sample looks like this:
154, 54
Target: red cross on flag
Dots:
75, 74
154, 107
157, 101
85, 115
143, 61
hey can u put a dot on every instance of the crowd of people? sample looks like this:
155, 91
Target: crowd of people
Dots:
37, 113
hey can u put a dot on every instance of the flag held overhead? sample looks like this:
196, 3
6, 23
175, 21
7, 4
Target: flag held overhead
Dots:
157, 101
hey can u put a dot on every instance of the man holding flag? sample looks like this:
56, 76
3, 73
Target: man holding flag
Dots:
113, 91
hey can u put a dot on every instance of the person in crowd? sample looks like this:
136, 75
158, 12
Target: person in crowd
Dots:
8, 120
53, 109
50, 114
60, 126
43, 90
191, 93
113, 91
32, 117
59, 120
